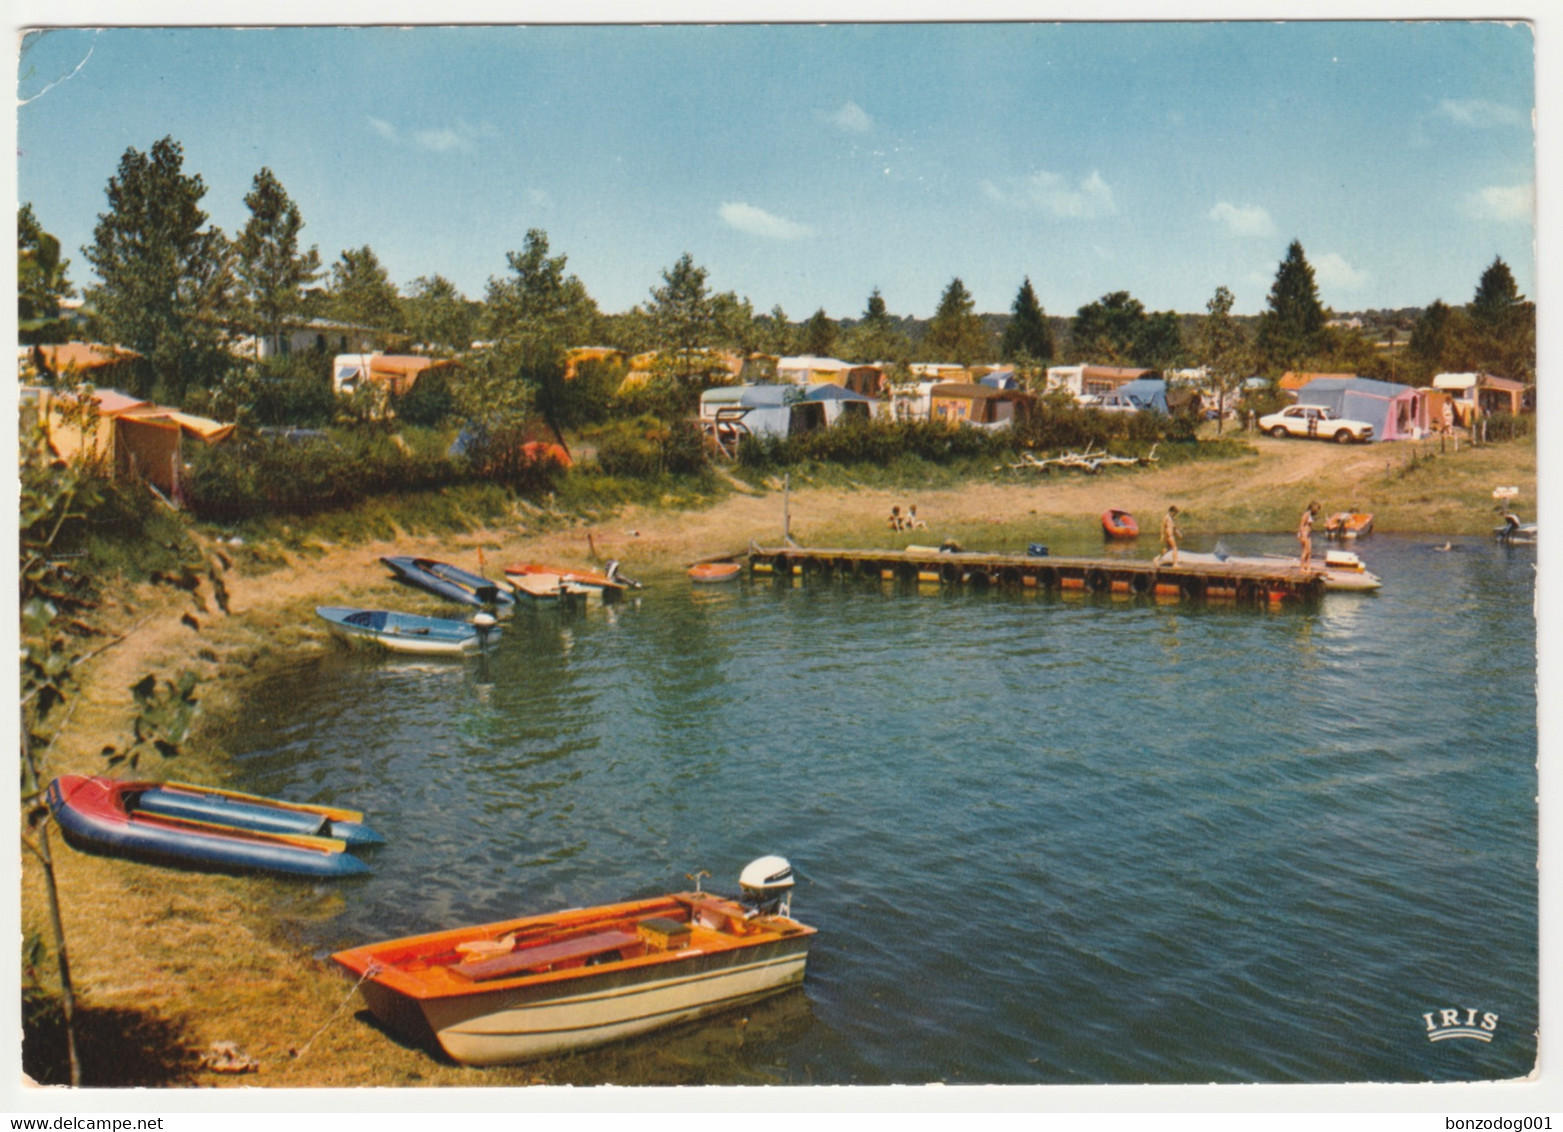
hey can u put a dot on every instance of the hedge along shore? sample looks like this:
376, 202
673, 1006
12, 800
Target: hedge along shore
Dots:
166, 963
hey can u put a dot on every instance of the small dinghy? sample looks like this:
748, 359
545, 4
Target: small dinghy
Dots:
172, 823
712, 572
449, 581
542, 985
408, 632
1348, 524
1119, 524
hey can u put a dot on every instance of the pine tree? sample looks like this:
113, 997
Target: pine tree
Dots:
1292, 327
362, 293
164, 275
682, 314
956, 333
1027, 338
271, 269
1497, 297
819, 334
438, 315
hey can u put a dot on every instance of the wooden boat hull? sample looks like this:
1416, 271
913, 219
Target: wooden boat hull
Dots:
450, 582
404, 632
504, 1027
544, 1012
1119, 524
710, 573
104, 816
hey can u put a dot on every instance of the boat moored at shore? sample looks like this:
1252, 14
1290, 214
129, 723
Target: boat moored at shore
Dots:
519, 989
408, 632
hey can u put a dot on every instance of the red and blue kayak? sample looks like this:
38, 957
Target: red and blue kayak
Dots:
202, 827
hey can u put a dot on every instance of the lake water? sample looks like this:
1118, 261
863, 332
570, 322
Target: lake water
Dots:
1044, 839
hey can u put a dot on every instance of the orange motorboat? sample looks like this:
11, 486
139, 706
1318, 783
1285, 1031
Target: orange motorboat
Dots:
542, 985
707, 572
1119, 524
1348, 524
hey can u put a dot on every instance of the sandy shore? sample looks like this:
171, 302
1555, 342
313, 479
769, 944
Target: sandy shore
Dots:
167, 963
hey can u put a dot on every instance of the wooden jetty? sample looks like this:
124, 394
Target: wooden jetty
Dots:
1243, 583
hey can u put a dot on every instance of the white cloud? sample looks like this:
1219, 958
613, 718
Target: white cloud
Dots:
1504, 203
758, 222
383, 128
1479, 113
852, 118
1332, 270
1243, 220
441, 141
1052, 193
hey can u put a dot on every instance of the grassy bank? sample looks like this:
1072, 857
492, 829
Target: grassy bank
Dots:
168, 962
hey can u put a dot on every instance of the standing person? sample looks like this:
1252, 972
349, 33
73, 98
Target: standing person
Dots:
1305, 534
1169, 535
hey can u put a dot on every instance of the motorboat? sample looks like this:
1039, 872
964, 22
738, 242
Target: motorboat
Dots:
1343, 570
1348, 524
449, 581
553, 983
409, 632
609, 579
203, 827
1515, 533
706, 573
1119, 524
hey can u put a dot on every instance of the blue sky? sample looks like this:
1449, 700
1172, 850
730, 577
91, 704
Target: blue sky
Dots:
806, 165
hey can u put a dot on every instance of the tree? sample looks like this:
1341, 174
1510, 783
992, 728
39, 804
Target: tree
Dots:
682, 315
164, 275
1109, 329
819, 334
1497, 298
1159, 344
1292, 326
533, 316
955, 332
40, 272
272, 271
1027, 338
876, 337
775, 333
1221, 344
362, 293
439, 316
732, 324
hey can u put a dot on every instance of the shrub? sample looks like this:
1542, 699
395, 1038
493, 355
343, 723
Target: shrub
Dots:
646, 447
1508, 426
428, 403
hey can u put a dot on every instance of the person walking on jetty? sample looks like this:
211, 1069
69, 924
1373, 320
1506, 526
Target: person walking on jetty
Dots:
1169, 536
1305, 535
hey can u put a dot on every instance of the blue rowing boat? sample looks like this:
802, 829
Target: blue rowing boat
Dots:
408, 632
447, 581
202, 827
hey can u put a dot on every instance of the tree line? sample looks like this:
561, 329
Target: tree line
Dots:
177, 290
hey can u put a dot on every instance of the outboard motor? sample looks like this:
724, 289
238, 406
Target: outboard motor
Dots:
766, 886
484, 623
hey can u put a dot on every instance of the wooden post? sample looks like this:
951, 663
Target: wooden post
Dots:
787, 508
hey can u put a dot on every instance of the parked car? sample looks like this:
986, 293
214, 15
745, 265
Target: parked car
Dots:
1315, 421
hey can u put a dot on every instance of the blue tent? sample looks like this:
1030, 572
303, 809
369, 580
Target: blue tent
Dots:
1145, 393
1389, 407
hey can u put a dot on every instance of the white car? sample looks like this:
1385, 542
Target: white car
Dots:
1317, 422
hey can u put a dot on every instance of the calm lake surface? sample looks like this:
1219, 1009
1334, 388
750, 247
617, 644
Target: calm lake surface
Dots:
1044, 840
